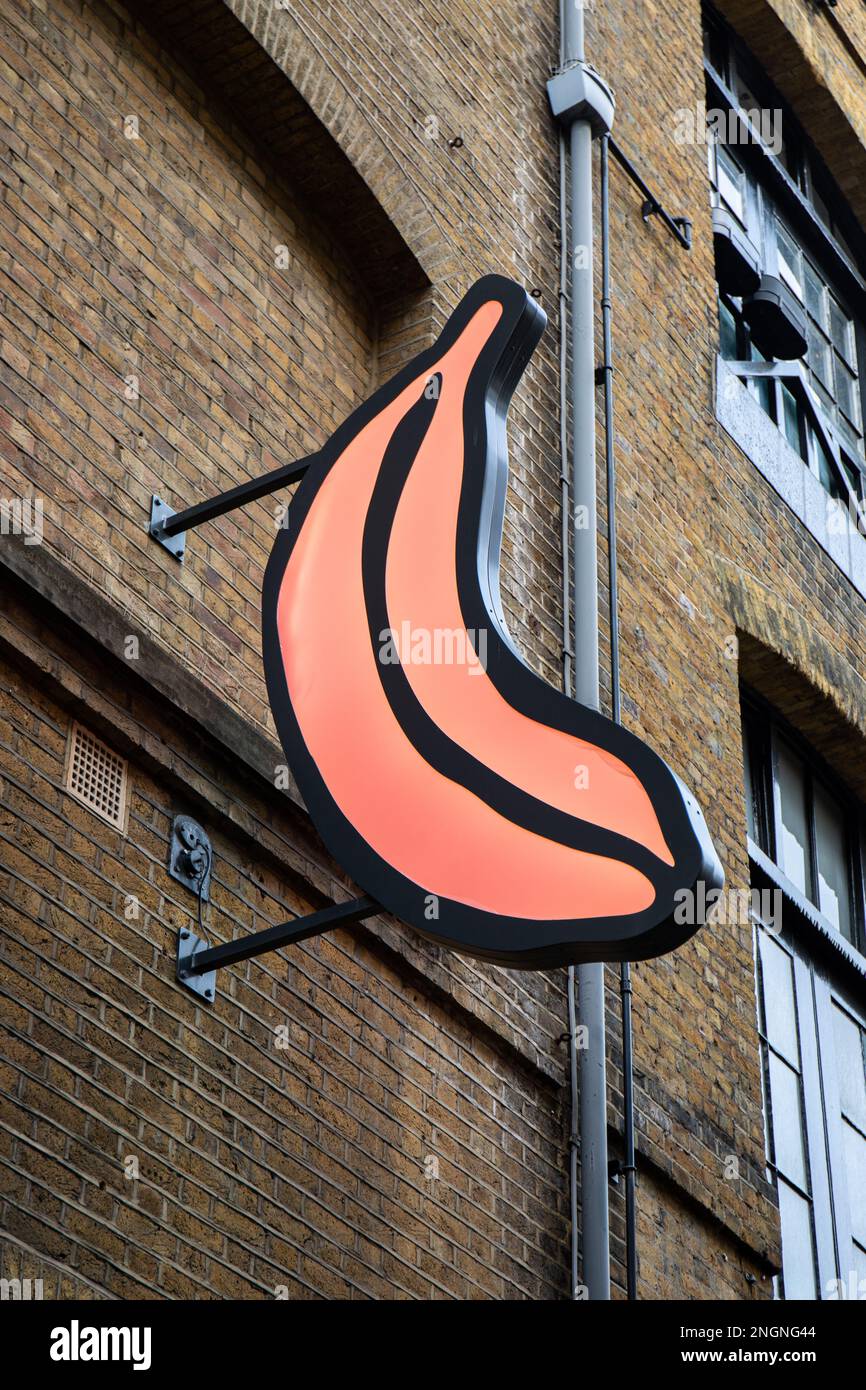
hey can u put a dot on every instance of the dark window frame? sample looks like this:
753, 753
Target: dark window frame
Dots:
845, 246
827, 977
763, 727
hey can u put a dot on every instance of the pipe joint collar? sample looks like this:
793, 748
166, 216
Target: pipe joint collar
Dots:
577, 93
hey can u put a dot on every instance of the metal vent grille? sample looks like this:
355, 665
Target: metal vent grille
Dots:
97, 777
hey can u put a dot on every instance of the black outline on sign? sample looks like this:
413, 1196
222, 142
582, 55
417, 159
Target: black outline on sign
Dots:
512, 941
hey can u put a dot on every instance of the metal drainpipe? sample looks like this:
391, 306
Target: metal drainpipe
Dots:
625, 984
582, 103
567, 652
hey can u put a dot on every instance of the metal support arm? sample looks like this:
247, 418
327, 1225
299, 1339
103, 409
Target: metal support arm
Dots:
197, 962
680, 227
168, 526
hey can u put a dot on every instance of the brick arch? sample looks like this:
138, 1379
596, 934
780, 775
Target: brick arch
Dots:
279, 89
350, 128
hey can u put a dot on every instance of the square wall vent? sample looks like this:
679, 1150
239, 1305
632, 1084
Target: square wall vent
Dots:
97, 777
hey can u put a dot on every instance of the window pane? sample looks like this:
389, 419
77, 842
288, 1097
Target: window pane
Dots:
798, 1256
850, 1069
840, 330
742, 87
791, 419
820, 206
711, 164
818, 354
834, 881
732, 183
786, 1121
846, 392
751, 818
794, 838
814, 294
854, 1147
790, 261
728, 328
844, 388
790, 155
780, 1015
761, 387
715, 50
756, 766
824, 470
825, 400
852, 437
854, 476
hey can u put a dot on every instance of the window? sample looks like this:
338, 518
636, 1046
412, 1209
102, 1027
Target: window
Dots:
811, 1013
764, 173
808, 826
785, 1107
729, 179
813, 1047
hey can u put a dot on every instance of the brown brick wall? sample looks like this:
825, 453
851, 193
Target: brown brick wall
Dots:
155, 257
297, 1159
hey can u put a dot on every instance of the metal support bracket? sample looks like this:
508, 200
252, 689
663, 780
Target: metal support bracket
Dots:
169, 527
679, 227
198, 962
682, 224
203, 984
618, 1168
160, 513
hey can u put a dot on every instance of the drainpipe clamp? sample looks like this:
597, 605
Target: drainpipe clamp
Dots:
577, 93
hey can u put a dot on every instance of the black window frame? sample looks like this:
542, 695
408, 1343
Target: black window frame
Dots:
805, 1189
763, 728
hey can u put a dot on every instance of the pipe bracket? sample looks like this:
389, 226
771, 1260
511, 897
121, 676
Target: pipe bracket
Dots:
578, 93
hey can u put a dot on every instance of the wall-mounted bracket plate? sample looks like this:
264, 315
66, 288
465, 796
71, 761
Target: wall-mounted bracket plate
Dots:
190, 858
160, 512
187, 945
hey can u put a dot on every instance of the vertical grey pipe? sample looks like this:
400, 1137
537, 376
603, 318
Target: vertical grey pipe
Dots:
564, 481
625, 985
565, 488
590, 978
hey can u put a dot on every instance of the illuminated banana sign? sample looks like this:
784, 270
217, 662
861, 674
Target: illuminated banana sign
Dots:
458, 789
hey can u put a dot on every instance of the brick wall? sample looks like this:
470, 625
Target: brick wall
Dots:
306, 1167
334, 1127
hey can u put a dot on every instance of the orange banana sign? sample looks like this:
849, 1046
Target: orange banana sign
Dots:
462, 792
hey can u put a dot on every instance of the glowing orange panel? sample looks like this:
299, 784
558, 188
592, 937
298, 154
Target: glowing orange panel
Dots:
455, 786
